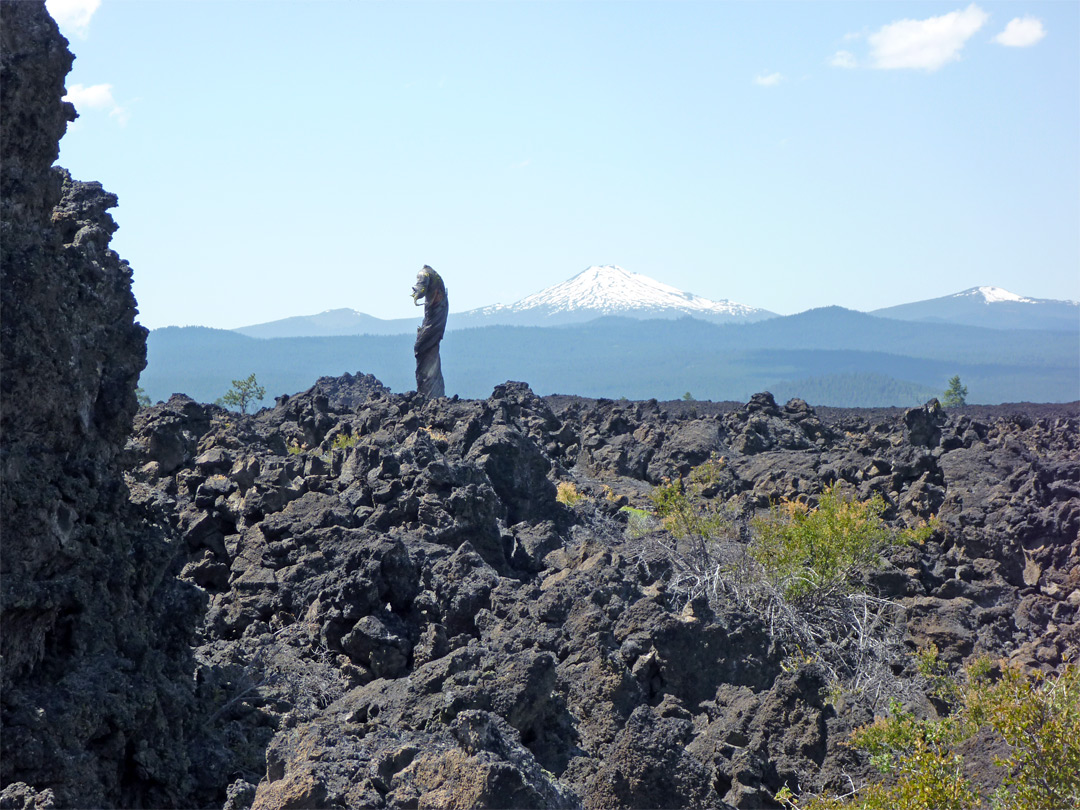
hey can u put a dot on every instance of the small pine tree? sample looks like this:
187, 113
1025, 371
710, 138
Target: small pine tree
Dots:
688, 397
243, 393
142, 398
955, 394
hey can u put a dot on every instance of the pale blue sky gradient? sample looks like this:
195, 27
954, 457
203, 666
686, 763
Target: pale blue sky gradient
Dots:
283, 158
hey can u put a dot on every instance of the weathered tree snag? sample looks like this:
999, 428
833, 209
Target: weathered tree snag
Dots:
430, 287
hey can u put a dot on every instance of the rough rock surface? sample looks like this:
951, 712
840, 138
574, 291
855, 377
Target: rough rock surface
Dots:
96, 661
401, 614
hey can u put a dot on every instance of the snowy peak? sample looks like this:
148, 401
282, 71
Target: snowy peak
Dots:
990, 307
994, 295
611, 290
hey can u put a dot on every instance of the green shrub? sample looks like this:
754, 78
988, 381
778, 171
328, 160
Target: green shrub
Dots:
918, 535
567, 493
919, 754
1037, 717
343, 440
683, 514
684, 510
807, 552
638, 522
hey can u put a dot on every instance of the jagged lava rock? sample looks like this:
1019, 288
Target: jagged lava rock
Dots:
96, 681
476, 643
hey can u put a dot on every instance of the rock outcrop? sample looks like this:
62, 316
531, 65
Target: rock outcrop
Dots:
96, 661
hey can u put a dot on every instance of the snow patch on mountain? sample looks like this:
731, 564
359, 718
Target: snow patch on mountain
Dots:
611, 290
992, 295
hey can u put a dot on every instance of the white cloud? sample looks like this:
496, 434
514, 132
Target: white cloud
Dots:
771, 80
1021, 32
97, 97
925, 44
843, 59
73, 16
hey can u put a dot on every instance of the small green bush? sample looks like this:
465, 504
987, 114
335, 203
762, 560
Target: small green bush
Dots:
918, 535
807, 552
682, 507
919, 754
343, 440
683, 514
1037, 717
638, 522
567, 493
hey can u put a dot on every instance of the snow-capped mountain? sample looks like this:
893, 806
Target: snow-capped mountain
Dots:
609, 290
991, 307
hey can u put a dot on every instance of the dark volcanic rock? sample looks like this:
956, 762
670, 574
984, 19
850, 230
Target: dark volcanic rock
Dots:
477, 643
924, 424
96, 682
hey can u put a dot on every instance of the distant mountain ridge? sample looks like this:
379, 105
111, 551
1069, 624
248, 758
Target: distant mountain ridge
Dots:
829, 356
990, 307
332, 322
609, 290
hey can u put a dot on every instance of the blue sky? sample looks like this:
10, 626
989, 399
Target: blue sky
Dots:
283, 158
